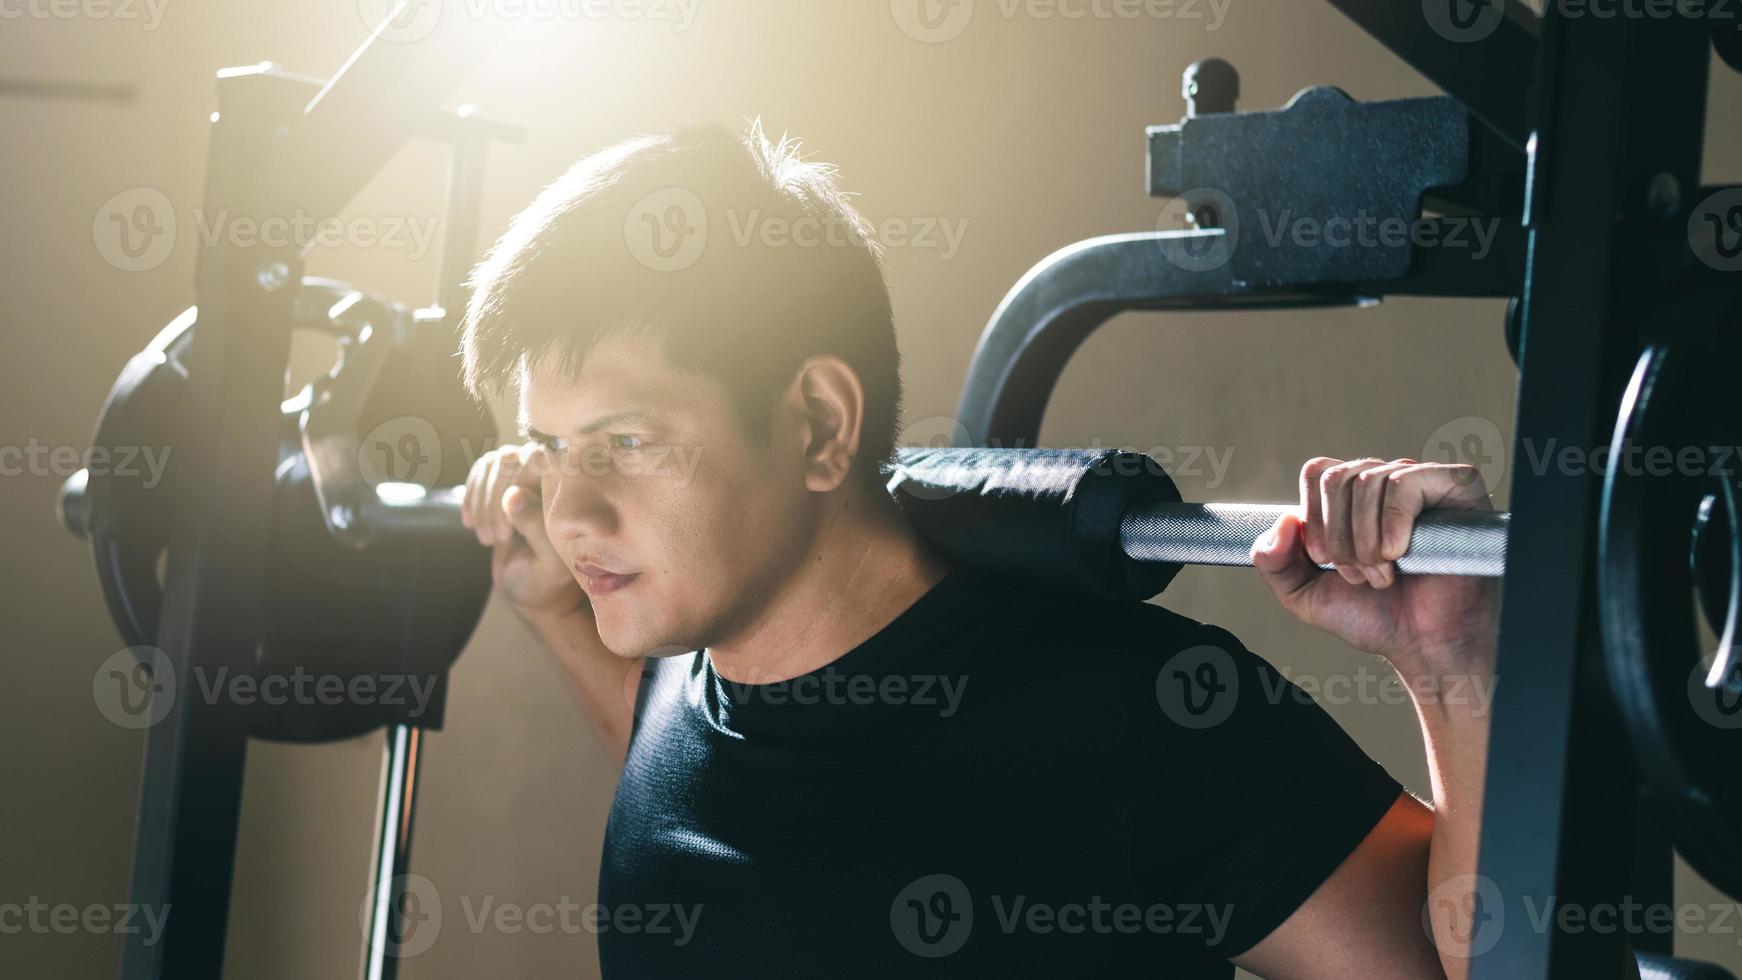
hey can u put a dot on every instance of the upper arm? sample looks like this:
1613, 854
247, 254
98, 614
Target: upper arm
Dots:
1366, 918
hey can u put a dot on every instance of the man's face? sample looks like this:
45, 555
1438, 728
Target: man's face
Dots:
674, 523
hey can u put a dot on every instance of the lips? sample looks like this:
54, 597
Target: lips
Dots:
602, 581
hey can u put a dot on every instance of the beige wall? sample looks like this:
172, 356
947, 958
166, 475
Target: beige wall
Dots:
1028, 130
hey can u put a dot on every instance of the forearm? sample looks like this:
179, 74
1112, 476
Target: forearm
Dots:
1453, 705
602, 683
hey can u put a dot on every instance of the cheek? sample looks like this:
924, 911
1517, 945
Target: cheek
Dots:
716, 524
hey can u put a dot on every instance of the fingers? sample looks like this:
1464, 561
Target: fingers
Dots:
1366, 523
1417, 487
487, 484
472, 505
1360, 513
1281, 561
501, 476
521, 507
1328, 491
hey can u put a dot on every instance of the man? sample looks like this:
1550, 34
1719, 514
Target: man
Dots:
866, 762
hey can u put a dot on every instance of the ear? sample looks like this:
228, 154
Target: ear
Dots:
828, 401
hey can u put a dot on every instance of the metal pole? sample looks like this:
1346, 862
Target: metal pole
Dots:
392, 853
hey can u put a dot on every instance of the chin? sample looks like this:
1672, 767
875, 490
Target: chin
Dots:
625, 642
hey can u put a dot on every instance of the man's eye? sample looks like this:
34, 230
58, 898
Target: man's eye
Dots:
621, 441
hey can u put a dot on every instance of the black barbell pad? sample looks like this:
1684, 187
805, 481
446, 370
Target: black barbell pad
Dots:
1046, 515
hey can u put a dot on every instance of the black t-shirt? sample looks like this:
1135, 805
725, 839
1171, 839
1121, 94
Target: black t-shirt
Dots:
1001, 782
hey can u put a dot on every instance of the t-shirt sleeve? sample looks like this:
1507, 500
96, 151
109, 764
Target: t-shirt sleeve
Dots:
1259, 794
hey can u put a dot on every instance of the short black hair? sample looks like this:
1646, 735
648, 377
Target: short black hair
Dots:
784, 268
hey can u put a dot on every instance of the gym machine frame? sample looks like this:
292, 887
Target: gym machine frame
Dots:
280, 144
1588, 130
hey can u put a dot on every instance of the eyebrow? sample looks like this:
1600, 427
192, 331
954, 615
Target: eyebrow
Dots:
603, 421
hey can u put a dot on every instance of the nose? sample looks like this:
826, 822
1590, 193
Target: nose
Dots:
577, 506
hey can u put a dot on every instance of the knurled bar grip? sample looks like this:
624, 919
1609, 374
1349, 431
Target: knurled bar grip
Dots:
1444, 542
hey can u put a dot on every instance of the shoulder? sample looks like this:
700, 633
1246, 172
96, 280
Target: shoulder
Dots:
1109, 649
1105, 629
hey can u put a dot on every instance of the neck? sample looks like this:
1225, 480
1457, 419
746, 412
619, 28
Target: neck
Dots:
864, 567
